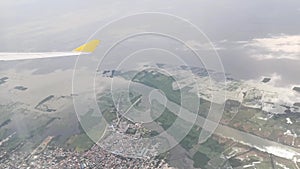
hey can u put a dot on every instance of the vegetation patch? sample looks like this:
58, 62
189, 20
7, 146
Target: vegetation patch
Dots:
166, 119
80, 142
191, 138
159, 81
200, 160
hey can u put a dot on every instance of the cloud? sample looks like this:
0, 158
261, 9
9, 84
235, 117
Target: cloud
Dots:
276, 47
195, 45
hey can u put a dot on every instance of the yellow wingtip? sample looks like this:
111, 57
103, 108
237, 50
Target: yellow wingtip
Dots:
88, 47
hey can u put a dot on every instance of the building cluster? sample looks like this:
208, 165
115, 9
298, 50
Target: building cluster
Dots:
53, 157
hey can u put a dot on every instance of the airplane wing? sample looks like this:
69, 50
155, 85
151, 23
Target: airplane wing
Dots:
84, 49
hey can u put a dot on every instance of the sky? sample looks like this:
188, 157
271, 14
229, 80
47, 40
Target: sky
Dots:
253, 38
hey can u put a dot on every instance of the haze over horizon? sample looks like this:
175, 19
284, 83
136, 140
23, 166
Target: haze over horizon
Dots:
246, 35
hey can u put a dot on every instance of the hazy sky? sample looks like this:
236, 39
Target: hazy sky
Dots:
254, 38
